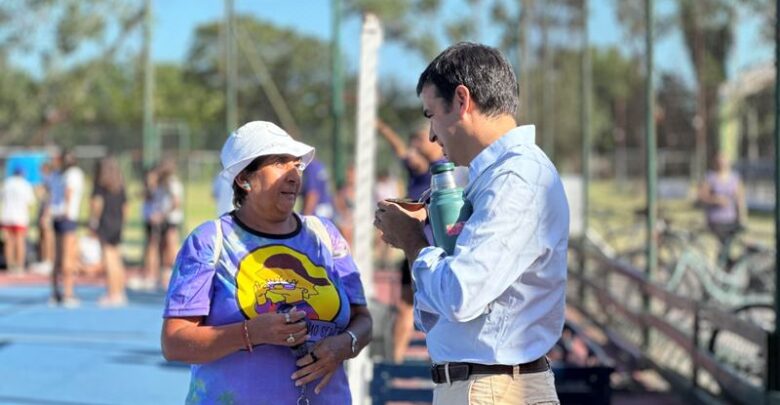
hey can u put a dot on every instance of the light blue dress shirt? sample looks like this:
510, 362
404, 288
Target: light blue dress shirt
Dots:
499, 299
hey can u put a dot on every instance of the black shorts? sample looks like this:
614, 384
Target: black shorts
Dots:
724, 232
407, 295
153, 229
406, 273
63, 226
110, 236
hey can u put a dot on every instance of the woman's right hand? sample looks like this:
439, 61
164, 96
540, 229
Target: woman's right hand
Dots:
273, 328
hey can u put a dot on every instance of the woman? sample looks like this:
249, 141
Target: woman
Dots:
65, 207
153, 217
109, 206
17, 197
170, 201
263, 301
722, 194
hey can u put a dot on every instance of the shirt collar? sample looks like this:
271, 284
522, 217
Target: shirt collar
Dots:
522, 135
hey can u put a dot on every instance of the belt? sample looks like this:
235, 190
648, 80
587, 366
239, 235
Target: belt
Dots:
448, 372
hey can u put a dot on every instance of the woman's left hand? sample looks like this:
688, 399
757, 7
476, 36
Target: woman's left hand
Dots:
323, 361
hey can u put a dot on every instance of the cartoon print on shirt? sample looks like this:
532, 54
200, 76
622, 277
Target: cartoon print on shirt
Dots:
274, 275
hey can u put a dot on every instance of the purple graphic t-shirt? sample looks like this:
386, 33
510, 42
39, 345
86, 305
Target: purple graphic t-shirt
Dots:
258, 273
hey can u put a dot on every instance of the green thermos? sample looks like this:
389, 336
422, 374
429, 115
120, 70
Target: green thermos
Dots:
447, 211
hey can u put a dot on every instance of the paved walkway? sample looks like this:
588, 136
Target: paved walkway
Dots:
92, 355
87, 355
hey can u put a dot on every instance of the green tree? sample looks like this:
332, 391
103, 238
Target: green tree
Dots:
293, 62
406, 22
708, 32
68, 77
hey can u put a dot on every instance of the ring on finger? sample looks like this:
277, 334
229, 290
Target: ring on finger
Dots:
287, 317
291, 338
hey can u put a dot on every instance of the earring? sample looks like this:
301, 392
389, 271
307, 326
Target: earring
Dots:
246, 186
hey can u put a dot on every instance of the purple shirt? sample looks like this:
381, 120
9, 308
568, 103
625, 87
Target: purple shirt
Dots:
418, 182
315, 178
723, 187
258, 273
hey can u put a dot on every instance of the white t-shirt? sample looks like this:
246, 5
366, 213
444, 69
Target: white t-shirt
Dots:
17, 196
175, 193
387, 188
73, 181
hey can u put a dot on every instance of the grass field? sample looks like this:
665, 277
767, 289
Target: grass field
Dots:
613, 208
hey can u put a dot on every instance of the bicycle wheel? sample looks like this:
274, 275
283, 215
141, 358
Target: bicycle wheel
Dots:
747, 358
761, 270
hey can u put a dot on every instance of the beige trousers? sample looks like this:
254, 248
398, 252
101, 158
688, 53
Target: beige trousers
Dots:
499, 389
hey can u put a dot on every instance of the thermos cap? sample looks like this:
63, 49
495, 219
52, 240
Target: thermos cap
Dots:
442, 176
442, 167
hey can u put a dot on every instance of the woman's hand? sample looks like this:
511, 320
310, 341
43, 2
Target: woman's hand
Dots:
323, 361
276, 328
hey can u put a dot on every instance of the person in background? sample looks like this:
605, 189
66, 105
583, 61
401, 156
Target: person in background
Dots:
173, 210
723, 195
107, 217
222, 194
345, 205
417, 158
264, 301
46, 249
153, 217
17, 198
66, 202
315, 191
386, 186
494, 308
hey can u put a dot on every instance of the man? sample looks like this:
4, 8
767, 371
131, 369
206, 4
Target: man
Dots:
494, 308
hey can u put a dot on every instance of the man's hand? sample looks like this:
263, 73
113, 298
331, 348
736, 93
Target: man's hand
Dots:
401, 228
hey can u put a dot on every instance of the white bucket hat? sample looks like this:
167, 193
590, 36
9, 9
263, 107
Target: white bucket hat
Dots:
255, 139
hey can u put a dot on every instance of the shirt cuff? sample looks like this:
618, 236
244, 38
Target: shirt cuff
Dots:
427, 259
422, 270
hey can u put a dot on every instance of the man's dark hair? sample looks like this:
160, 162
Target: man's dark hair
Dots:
482, 69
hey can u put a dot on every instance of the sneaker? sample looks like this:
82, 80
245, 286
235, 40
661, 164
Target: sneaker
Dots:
54, 302
110, 302
136, 283
150, 285
70, 302
16, 271
42, 268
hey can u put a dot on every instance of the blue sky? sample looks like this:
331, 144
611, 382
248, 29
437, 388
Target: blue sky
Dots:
175, 20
